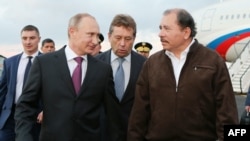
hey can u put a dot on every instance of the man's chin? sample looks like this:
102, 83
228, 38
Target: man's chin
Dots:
89, 51
122, 54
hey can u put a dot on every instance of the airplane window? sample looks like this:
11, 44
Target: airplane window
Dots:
244, 16
232, 17
226, 17
238, 16
221, 17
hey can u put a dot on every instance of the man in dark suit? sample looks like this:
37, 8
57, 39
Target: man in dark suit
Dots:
12, 81
122, 33
70, 112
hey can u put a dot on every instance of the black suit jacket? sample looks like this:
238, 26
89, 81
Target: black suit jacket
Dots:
128, 98
67, 117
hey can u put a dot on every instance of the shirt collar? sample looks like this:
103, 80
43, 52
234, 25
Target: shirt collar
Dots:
25, 55
184, 52
70, 54
114, 57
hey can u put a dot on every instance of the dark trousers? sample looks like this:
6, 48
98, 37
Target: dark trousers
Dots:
7, 133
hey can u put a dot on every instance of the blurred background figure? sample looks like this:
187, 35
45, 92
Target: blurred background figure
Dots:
48, 45
1, 64
98, 47
143, 48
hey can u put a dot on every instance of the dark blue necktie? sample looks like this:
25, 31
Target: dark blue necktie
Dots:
119, 80
27, 69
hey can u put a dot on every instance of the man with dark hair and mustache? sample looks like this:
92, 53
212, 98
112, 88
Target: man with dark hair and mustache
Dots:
183, 92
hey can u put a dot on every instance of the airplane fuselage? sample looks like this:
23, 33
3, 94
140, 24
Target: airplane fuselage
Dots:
224, 27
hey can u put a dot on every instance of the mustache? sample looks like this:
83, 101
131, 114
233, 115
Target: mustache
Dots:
162, 40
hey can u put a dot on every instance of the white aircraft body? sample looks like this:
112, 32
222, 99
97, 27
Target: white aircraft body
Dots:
225, 27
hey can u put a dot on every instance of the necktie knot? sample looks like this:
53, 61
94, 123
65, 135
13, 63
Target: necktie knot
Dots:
30, 57
78, 60
121, 60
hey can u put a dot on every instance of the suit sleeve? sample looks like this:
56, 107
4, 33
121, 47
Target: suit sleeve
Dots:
27, 105
139, 118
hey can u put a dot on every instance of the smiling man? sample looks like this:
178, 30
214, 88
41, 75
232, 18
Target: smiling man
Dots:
12, 81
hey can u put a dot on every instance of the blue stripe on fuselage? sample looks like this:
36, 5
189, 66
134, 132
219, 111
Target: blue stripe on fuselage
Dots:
216, 42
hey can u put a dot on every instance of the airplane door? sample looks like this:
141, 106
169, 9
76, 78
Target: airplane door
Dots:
207, 18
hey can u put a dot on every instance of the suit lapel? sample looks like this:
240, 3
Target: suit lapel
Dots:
13, 76
128, 94
91, 71
107, 57
15, 66
62, 66
133, 71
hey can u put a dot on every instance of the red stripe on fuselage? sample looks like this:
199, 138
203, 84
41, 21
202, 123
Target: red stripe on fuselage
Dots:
224, 46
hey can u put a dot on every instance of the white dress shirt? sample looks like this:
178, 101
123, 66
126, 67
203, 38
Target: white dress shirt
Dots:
126, 66
20, 73
178, 63
70, 55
